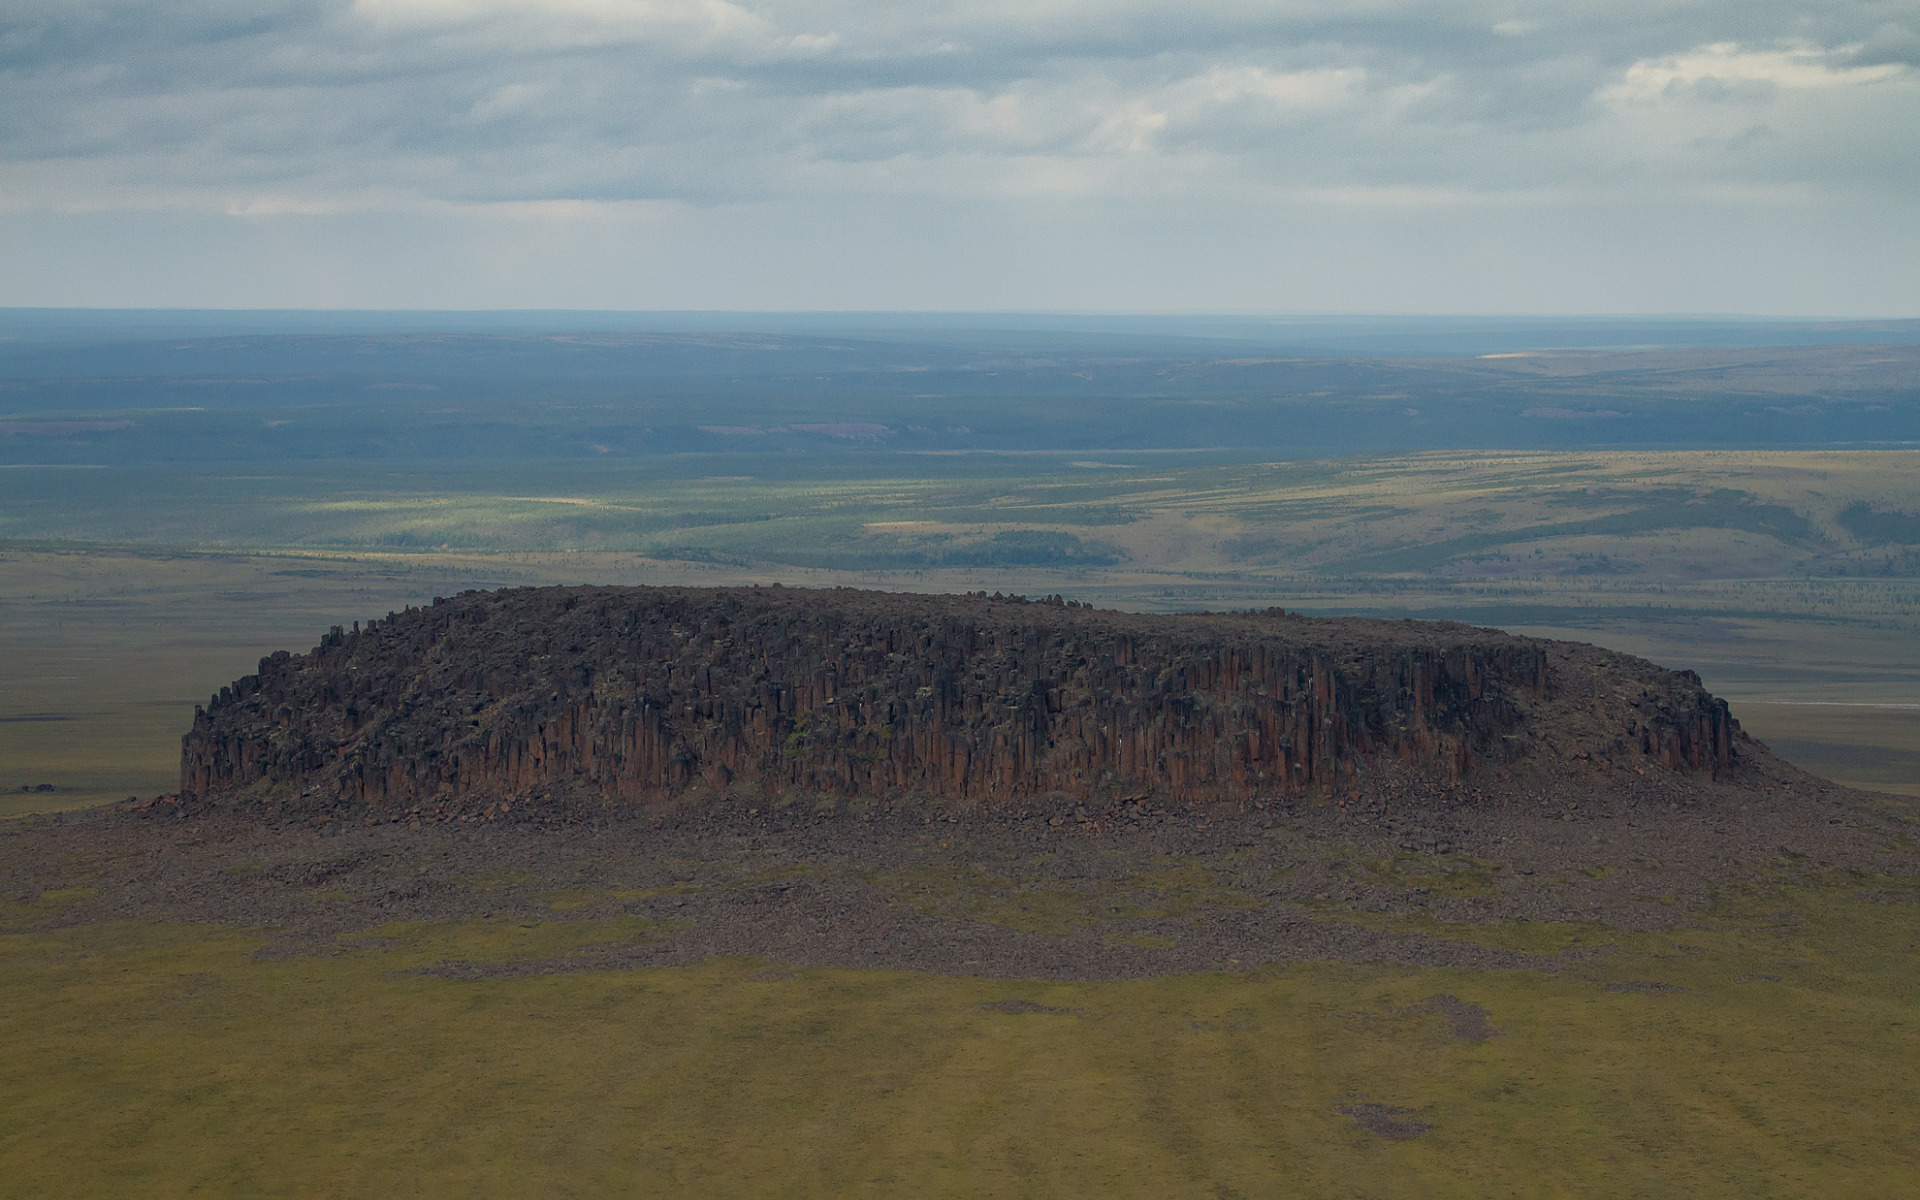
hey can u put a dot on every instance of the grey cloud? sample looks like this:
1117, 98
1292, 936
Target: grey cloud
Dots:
1889, 44
467, 101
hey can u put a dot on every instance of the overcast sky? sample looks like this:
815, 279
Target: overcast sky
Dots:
1210, 155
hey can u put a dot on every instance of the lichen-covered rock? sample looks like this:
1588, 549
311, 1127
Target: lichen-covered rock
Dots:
628, 695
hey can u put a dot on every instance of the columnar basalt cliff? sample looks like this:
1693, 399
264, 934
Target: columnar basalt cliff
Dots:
602, 696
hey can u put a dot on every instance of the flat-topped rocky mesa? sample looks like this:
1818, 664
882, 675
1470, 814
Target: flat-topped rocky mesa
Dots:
598, 696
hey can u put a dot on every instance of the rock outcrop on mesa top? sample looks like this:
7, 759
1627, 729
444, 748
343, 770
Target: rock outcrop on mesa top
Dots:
605, 696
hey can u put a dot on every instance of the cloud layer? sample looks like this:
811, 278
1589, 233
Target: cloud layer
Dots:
263, 107
315, 105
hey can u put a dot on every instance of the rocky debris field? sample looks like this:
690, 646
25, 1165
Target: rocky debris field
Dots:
1136, 888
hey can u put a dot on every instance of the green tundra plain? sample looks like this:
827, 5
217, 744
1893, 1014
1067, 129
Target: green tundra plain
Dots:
1762, 1046
1780, 1055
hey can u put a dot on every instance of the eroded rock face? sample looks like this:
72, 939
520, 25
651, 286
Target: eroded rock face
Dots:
628, 695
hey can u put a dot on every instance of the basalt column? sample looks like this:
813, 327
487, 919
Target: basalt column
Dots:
625, 695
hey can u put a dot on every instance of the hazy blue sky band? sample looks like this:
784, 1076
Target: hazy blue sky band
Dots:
1153, 130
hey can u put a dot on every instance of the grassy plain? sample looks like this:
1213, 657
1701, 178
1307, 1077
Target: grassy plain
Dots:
1769, 1050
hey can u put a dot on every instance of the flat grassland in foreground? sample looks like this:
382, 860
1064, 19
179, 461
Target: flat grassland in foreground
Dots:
1767, 1049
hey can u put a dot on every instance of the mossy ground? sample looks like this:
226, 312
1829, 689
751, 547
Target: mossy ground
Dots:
1031, 902
1772, 1050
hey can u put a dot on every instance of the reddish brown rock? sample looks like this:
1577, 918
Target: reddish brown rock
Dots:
628, 695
